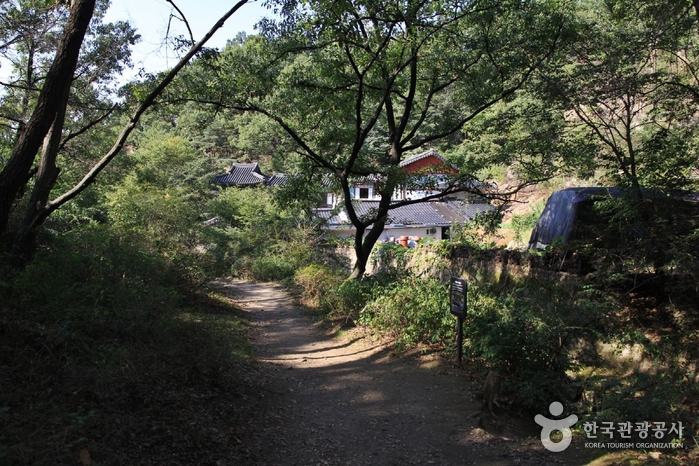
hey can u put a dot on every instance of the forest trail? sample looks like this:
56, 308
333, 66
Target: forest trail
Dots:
346, 401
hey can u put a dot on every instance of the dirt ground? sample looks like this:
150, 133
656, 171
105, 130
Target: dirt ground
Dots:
348, 401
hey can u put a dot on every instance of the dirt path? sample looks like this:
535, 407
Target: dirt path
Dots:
346, 401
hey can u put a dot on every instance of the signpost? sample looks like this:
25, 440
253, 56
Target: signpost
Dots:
458, 308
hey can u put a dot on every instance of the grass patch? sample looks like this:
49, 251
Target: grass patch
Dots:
117, 365
123, 397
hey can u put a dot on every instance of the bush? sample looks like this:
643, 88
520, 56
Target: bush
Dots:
526, 222
480, 231
269, 268
262, 241
328, 290
96, 274
316, 282
96, 332
279, 263
413, 311
526, 334
349, 298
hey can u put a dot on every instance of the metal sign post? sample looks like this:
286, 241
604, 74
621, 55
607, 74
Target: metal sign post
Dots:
458, 308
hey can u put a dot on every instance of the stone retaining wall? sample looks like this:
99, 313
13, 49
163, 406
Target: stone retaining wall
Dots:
493, 265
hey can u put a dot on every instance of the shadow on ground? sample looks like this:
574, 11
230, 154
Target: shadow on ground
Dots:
347, 401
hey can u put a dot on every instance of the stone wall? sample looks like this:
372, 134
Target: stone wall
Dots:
492, 265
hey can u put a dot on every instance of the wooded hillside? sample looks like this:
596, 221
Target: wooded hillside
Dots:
112, 232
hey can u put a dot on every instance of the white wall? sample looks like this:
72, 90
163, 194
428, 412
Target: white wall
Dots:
396, 233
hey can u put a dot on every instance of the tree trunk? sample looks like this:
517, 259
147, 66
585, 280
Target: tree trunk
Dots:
361, 260
45, 179
51, 101
363, 247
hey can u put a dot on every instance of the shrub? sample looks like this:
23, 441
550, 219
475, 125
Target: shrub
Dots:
270, 268
279, 263
349, 298
526, 333
526, 222
390, 259
479, 231
329, 291
413, 311
262, 241
96, 332
96, 274
316, 282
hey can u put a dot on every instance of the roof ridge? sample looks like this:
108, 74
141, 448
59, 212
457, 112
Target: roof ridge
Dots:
422, 155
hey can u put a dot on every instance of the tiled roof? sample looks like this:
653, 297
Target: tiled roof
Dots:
461, 211
248, 174
423, 155
413, 214
438, 213
278, 179
241, 174
328, 214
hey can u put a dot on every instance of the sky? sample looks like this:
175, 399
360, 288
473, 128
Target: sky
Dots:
150, 18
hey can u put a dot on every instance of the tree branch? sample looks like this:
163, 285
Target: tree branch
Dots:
128, 128
87, 127
183, 18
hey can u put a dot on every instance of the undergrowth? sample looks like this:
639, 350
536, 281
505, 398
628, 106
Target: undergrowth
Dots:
105, 358
526, 330
543, 335
412, 311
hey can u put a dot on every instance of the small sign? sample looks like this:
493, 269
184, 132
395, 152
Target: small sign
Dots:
458, 297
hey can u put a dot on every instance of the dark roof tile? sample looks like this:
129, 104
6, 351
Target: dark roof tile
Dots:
439, 213
248, 174
278, 179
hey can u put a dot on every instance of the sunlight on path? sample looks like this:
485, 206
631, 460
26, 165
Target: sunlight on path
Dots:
346, 401
288, 337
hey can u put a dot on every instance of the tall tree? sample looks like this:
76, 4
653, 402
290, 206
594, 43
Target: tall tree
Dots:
358, 85
49, 109
47, 121
630, 83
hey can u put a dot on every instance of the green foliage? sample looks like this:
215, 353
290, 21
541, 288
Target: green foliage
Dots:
316, 282
626, 237
90, 331
526, 222
328, 290
210, 132
161, 199
97, 270
526, 332
271, 267
479, 231
347, 300
520, 135
626, 87
359, 104
262, 240
390, 259
413, 311
259, 138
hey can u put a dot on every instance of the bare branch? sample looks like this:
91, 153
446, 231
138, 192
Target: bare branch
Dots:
87, 127
90, 177
182, 18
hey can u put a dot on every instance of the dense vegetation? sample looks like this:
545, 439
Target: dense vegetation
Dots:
108, 295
